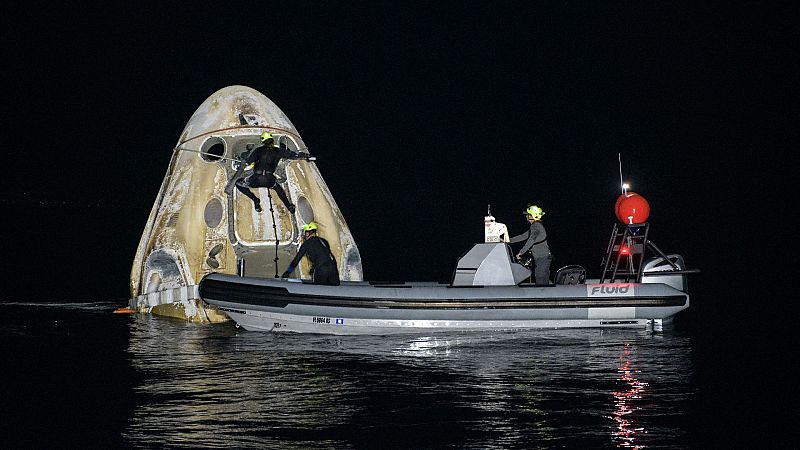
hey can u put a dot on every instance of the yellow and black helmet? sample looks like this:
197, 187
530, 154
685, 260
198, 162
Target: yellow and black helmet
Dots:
535, 212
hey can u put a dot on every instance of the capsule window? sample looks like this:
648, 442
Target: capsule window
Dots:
213, 213
305, 210
288, 142
213, 149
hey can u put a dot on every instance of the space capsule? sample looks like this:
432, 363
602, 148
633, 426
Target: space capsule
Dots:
196, 226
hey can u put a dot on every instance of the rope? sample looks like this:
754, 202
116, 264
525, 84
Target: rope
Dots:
277, 130
275, 231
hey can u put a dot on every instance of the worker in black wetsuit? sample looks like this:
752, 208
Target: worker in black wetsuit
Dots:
536, 242
317, 249
264, 160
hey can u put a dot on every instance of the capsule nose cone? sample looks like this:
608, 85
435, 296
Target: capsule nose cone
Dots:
237, 107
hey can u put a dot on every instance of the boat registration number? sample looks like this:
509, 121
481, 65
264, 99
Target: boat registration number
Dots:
327, 320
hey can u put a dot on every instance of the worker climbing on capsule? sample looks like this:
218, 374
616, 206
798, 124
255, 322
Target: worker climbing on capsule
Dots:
536, 242
264, 160
318, 250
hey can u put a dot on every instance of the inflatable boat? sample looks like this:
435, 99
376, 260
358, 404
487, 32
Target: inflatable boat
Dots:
489, 291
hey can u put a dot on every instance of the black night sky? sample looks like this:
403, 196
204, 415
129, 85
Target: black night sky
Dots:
420, 115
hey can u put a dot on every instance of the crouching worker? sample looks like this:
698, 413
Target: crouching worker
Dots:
323, 264
265, 161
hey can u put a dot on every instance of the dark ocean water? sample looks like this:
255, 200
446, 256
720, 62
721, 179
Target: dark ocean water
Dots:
77, 375
74, 375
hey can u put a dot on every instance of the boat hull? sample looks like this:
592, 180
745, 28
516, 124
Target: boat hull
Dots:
364, 308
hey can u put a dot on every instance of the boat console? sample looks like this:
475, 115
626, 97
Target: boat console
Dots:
489, 264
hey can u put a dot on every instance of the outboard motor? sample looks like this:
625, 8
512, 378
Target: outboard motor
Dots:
659, 264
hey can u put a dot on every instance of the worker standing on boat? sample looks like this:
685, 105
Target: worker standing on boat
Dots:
323, 264
536, 242
265, 160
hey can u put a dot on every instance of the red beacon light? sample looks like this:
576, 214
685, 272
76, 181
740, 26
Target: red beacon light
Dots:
631, 208
624, 250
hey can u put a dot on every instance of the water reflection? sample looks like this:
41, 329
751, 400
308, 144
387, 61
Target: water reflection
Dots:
428, 346
214, 386
627, 431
